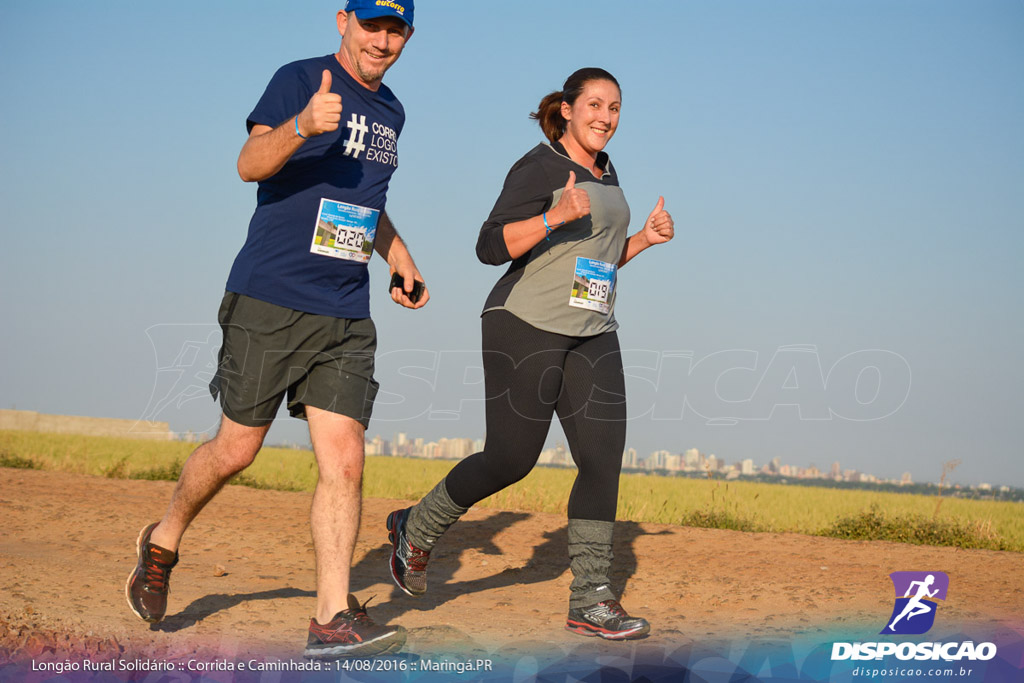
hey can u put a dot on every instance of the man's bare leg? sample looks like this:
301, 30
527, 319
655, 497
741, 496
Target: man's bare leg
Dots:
337, 502
204, 474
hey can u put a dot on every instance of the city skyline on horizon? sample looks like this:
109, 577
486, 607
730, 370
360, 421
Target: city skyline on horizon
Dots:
420, 448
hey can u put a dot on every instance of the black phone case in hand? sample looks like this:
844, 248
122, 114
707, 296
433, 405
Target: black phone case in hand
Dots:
398, 281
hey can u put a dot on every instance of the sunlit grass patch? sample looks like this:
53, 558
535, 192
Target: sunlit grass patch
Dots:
17, 462
876, 525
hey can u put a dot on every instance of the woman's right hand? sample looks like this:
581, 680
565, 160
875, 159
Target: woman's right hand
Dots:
572, 205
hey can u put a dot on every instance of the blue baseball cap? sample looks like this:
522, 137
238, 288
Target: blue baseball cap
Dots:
371, 9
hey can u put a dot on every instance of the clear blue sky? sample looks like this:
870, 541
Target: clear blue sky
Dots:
847, 180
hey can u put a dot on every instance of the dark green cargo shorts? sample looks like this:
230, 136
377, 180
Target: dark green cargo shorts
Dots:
270, 351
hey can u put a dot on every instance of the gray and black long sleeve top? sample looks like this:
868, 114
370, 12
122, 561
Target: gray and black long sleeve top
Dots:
566, 283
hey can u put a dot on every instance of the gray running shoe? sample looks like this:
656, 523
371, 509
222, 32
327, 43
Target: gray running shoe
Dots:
408, 563
607, 620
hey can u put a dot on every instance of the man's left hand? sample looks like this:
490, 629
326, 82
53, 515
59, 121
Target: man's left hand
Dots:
410, 274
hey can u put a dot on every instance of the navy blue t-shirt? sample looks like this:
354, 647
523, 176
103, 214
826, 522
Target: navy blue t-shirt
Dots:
353, 165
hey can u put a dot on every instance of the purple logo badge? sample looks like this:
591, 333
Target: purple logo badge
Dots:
916, 595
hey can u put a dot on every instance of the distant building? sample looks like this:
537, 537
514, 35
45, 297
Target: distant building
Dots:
691, 458
455, 449
656, 460
629, 458
557, 456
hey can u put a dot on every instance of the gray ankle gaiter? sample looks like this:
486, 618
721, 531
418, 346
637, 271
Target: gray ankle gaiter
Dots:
431, 517
590, 559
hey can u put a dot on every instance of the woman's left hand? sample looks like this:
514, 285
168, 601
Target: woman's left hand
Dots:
659, 227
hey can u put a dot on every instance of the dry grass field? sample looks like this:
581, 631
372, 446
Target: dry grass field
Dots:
737, 505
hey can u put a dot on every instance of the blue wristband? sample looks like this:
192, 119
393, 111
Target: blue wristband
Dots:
547, 228
297, 129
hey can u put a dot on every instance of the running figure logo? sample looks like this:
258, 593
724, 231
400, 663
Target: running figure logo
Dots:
357, 127
916, 594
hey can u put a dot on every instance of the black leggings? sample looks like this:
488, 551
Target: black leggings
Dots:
528, 375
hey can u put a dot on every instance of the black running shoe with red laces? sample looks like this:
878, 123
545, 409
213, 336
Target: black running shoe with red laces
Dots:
607, 620
408, 563
146, 588
351, 633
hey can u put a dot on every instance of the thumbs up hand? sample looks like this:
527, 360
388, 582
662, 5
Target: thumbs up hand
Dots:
323, 112
659, 227
572, 205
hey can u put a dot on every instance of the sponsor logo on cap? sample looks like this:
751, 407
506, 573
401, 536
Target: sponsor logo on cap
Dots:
393, 5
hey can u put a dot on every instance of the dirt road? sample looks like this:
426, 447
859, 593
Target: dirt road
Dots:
498, 581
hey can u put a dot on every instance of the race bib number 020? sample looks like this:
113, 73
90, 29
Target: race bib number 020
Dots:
592, 285
344, 231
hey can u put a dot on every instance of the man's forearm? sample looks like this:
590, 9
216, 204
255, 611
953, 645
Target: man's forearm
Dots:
388, 243
391, 247
267, 150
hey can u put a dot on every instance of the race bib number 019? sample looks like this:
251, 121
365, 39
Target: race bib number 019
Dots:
344, 231
592, 285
